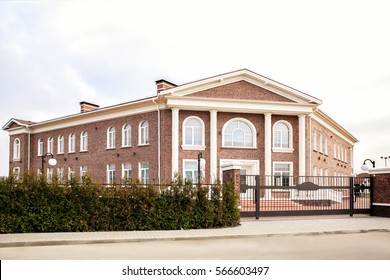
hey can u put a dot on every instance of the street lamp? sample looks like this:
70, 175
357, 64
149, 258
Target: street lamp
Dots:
364, 167
52, 161
385, 158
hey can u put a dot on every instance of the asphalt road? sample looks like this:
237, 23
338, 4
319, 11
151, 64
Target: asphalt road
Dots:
359, 246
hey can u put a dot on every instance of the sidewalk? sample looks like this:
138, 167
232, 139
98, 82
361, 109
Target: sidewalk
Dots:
248, 228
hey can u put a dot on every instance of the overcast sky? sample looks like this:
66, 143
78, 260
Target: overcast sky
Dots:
54, 54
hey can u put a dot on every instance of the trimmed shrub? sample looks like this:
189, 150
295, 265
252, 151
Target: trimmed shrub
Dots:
34, 205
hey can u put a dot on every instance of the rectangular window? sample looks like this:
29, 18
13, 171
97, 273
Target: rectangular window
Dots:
16, 172
282, 173
71, 173
126, 171
49, 175
111, 176
144, 172
83, 172
191, 171
60, 172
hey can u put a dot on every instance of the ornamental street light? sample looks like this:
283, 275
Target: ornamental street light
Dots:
385, 158
364, 167
52, 161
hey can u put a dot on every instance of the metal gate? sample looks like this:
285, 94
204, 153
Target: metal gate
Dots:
287, 196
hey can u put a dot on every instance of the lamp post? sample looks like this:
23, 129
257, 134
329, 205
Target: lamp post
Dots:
52, 161
385, 158
364, 167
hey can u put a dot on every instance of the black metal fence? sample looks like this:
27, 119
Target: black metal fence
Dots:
320, 195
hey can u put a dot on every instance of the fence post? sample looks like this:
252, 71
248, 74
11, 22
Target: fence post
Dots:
257, 196
351, 196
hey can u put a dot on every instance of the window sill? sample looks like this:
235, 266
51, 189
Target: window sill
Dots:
16, 159
84, 151
124, 147
281, 150
110, 148
245, 148
194, 148
143, 145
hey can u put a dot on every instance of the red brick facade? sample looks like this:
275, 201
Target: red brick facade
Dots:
230, 101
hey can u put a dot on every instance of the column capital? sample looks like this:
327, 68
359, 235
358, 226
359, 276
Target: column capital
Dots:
268, 114
175, 109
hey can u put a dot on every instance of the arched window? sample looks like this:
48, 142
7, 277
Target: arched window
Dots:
282, 135
111, 137
144, 133
60, 147
193, 133
314, 139
239, 133
126, 135
50, 144
16, 149
72, 143
40, 146
84, 141
320, 142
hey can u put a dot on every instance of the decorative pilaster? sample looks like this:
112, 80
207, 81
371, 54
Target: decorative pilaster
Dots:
213, 146
175, 141
302, 145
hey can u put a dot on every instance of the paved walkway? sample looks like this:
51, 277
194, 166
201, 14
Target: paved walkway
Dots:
248, 228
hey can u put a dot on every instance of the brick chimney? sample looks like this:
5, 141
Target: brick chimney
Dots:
87, 107
163, 85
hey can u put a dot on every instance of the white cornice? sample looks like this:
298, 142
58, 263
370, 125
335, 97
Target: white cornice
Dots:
233, 105
324, 120
242, 75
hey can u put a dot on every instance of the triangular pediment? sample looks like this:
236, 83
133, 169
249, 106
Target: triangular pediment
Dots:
242, 90
15, 123
244, 85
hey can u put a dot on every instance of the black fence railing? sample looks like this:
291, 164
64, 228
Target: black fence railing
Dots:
293, 195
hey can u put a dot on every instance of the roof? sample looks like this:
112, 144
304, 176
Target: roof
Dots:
18, 122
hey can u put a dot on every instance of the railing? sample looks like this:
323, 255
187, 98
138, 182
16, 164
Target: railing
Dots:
288, 195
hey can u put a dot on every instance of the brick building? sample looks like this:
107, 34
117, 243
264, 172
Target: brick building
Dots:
241, 116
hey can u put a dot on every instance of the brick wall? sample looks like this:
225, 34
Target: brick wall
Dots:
381, 193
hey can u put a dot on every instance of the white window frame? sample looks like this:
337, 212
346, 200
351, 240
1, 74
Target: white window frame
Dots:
251, 126
71, 172
291, 171
111, 174
16, 172
72, 143
50, 145
194, 172
326, 145
111, 137
193, 146
290, 148
83, 171
126, 135
84, 141
143, 138
314, 139
16, 151
321, 145
60, 173
61, 144
144, 170
126, 171
41, 147
49, 174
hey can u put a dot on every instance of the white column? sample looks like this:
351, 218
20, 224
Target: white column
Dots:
267, 145
302, 145
175, 141
213, 146
268, 152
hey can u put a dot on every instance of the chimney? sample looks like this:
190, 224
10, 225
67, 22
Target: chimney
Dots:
87, 107
163, 85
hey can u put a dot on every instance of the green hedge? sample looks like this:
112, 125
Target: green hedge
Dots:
35, 205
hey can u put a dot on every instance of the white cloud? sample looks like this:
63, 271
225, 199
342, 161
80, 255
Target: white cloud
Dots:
107, 52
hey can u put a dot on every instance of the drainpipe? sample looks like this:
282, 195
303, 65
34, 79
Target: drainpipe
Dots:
28, 147
158, 142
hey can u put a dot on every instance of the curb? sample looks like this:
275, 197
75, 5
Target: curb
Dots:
181, 238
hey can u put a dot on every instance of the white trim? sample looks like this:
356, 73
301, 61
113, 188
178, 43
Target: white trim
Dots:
109, 135
238, 164
384, 170
267, 144
143, 131
213, 146
140, 172
16, 150
252, 127
123, 135
382, 204
60, 146
184, 169
84, 141
302, 145
237, 105
70, 143
123, 170
242, 75
175, 141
